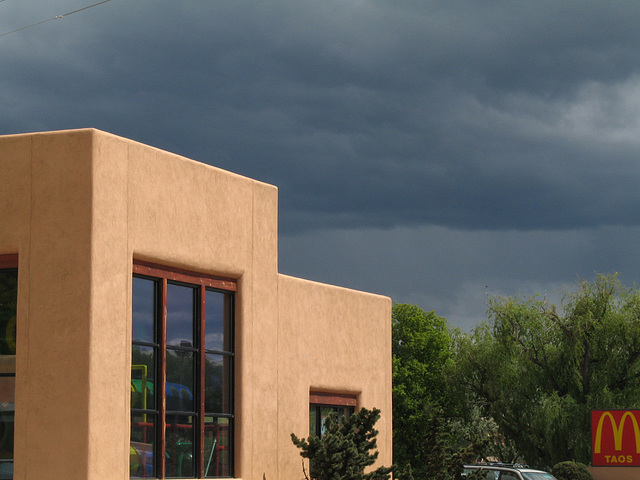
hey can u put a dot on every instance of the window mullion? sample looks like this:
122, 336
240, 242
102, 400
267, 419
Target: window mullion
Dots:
211, 441
200, 384
162, 377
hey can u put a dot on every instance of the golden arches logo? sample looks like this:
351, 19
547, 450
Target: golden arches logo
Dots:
617, 431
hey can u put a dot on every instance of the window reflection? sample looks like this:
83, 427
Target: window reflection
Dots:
179, 446
180, 386
8, 315
142, 377
218, 321
141, 450
318, 415
180, 314
217, 447
193, 378
144, 359
143, 311
216, 386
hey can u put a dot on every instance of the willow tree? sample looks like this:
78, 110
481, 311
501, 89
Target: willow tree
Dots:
538, 370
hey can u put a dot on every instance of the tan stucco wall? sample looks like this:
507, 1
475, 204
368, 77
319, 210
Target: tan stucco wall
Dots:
49, 224
78, 206
336, 340
615, 473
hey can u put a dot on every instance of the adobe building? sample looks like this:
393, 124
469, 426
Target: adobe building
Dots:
145, 330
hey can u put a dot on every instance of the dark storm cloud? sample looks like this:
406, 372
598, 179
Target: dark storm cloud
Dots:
364, 113
454, 273
424, 150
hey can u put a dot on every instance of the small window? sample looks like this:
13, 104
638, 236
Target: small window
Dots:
322, 404
182, 414
8, 316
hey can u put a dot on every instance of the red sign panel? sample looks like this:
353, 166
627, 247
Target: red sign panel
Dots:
615, 438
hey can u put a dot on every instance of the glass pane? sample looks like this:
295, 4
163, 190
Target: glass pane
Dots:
217, 377
143, 309
142, 377
218, 321
7, 395
8, 309
324, 411
8, 312
180, 315
180, 385
141, 449
313, 419
217, 447
179, 452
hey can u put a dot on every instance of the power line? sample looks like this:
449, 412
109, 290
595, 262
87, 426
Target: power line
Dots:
57, 17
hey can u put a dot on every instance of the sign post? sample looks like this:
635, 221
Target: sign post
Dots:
615, 436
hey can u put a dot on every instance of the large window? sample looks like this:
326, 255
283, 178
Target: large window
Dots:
8, 312
182, 367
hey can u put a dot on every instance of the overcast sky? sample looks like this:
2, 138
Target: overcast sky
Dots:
433, 151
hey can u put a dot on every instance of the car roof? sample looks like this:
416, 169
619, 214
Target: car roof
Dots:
504, 466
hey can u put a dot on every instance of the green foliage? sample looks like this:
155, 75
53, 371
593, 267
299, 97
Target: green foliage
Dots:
448, 448
344, 450
571, 471
430, 439
538, 373
421, 344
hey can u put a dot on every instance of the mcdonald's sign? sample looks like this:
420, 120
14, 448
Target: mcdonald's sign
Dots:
615, 436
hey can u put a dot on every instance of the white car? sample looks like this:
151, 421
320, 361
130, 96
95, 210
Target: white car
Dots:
506, 471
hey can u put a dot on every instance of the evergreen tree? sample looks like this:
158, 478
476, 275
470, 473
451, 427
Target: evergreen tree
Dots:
345, 448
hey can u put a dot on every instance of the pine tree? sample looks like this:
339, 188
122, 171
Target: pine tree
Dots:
344, 449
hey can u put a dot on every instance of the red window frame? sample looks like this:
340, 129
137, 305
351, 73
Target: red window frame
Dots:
203, 281
9, 260
333, 399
